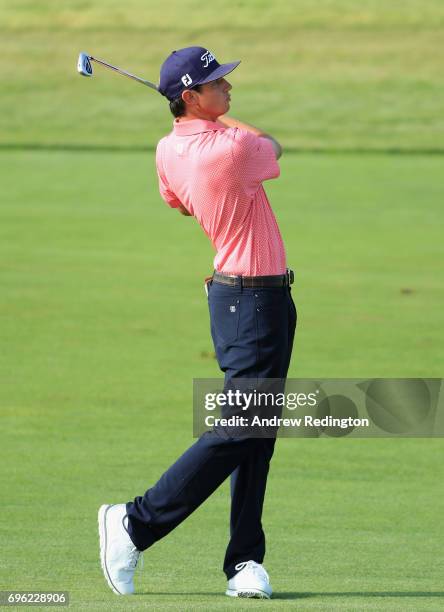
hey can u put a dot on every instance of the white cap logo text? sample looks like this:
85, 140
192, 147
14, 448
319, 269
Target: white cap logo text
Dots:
207, 57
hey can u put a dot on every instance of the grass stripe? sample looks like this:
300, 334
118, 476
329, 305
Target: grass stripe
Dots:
104, 148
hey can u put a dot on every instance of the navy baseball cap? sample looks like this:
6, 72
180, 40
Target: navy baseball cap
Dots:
185, 68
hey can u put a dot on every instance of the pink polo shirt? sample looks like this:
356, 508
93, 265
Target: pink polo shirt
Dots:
216, 173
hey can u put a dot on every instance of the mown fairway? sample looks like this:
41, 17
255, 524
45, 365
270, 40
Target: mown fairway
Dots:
104, 320
319, 74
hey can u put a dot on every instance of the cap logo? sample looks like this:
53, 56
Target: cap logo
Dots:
186, 80
207, 57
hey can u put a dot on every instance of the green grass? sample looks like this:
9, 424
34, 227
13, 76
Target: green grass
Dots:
90, 250
330, 74
104, 325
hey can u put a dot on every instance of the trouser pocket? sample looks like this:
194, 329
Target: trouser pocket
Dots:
224, 314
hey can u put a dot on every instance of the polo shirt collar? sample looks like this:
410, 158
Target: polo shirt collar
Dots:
195, 126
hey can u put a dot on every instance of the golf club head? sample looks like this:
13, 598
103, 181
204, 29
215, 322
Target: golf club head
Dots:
84, 65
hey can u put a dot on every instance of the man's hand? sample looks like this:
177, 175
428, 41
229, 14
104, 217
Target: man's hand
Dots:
183, 211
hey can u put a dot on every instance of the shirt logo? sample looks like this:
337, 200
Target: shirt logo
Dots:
232, 308
207, 57
186, 80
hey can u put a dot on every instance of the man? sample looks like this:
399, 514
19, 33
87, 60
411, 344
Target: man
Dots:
212, 167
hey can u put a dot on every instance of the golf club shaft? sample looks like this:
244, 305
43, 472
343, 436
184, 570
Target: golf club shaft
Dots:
123, 72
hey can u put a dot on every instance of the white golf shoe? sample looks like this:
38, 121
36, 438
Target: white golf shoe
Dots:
251, 580
118, 555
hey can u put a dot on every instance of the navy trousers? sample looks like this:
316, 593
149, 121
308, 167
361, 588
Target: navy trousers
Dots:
252, 331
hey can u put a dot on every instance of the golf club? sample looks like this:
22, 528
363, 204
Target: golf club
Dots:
85, 69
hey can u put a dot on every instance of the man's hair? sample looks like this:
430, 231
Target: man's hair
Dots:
178, 106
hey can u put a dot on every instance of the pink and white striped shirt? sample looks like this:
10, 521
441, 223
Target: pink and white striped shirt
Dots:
216, 173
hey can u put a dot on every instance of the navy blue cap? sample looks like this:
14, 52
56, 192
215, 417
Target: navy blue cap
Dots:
185, 68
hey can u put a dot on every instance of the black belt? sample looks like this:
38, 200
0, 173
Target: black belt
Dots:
255, 282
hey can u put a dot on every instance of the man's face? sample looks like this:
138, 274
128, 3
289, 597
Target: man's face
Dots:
213, 98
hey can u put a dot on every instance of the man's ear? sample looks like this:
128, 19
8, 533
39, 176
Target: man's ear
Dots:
189, 96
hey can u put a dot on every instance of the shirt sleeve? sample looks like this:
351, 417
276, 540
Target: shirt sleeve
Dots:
254, 159
167, 195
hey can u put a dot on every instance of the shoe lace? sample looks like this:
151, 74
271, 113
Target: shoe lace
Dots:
133, 558
134, 554
257, 569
